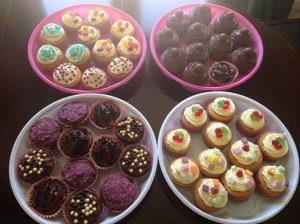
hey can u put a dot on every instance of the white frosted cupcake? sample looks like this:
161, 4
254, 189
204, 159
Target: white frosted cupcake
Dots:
194, 118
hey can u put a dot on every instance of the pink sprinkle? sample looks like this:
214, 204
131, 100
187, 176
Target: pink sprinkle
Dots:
237, 150
185, 159
249, 184
244, 140
277, 184
185, 167
287, 183
211, 166
222, 161
205, 188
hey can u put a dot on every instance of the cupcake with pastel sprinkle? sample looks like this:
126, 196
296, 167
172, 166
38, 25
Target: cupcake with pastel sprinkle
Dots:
49, 57
78, 54
129, 47
53, 34
177, 142
221, 109
251, 122
121, 28
217, 135
194, 118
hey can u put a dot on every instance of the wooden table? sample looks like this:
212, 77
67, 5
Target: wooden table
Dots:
275, 85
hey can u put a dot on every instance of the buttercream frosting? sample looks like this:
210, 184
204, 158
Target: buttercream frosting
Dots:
122, 28
195, 115
180, 145
245, 153
223, 106
275, 145
213, 160
184, 170
274, 177
251, 121
225, 136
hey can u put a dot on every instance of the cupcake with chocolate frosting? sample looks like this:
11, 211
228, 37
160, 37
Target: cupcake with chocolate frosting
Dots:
241, 38
195, 73
219, 46
178, 21
197, 32
174, 59
201, 13
225, 23
166, 38
244, 58
197, 52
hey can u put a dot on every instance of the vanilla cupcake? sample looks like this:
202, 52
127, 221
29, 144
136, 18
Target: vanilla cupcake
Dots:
177, 142
78, 54
273, 145
121, 28
217, 135
245, 154
49, 57
104, 51
239, 184
71, 21
88, 35
221, 109
53, 34
251, 122
67, 75
93, 78
129, 47
119, 68
184, 172
98, 18
212, 163
193, 118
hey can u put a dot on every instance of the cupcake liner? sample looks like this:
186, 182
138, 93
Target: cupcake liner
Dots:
227, 83
82, 123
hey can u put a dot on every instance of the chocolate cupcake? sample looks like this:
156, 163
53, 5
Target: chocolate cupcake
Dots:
241, 38
129, 130
44, 133
223, 72
175, 60
75, 142
104, 114
166, 38
219, 46
106, 151
200, 13
47, 197
178, 21
225, 23
136, 161
79, 173
118, 192
83, 206
243, 58
74, 113
197, 52
195, 73
35, 165
197, 32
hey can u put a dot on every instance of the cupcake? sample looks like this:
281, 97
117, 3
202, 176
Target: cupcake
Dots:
78, 54
52, 34
71, 21
251, 122
197, 52
82, 206
271, 181
166, 38
47, 197
104, 51
106, 151
219, 46
273, 145
67, 75
245, 154
210, 195
121, 28
104, 114
212, 163
195, 73
177, 142
225, 23
201, 13
135, 161
239, 184
118, 192
221, 109
193, 118
178, 22
88, 35
75, 142
175, 60
184, 172
129, 129
93, 78
223, 73
217, 135
35, 165
197, 32
98, 18
244, 58
129, 47
44, 133
119, 68
241, 38
49, 57
79, 173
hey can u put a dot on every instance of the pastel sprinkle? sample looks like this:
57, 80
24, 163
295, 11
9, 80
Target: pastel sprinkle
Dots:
244, 140
216, 182
271, 171
248, 172
277, 184
238, 150
184, 159
231, 180
211, 166
194, 169
249, 184
215, 201
222, 161
287, 183
185, 167
205, 188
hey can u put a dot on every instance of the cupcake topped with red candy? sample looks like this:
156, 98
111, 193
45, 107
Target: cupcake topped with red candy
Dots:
97, 17
194, 118
71, 21
104, 51
129, 47
221, 109
88, 35
177, 142
217, 135
121, 28
251, 122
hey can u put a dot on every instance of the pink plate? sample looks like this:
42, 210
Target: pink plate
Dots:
34, 44
257, 46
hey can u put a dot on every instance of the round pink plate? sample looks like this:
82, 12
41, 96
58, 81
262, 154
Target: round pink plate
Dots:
257, 46
34, 44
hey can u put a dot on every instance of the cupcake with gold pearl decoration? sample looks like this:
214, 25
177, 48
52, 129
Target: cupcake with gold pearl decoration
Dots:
251, 122
121, 28
104, 51
98, 18
88, 35
217, 135
194, 118
71, 21
221, 109
129, 47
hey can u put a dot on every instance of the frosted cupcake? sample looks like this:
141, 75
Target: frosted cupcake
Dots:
53, 34
121, 28
221, 109
78, 54
251, 122
49, 57
88, 35
193, 118
177, 142
98, 18
129, 47
104, 51
217, 135
71, 21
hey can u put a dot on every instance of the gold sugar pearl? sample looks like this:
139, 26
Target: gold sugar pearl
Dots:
85, 222
25, 174
72, 201
83, 211
20, 166
93, 202
22, 169
131, 170
30, 157
94, 209
90, 196
87, 200
132, 133
28, 160
38, 154
135, 160
30, 172
34, 152
34, 169
27, 167
39, 163
76, 214
132, 164
140, 164
87, 214
91, 212
145, 153
44, 155
26, 156
145, 162
39, 172
90, 206
128, 153
77, 201
75, 221
136, 135
140, 170
40, 151
72, 213
123, 163
128, 126
87, 209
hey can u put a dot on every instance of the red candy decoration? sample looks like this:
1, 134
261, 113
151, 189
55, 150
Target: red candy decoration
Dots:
101, 14
245, 147
258, 115
199, 112
121, 29
95, 13
135, 45
130, 48
119, 23
93, 19
226, 104
276, 144
218, 132
100, 49
239, 173
108, 48
214, 190
177, 139
75, 21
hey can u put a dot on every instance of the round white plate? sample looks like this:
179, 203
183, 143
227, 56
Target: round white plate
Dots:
257, 208
21, 146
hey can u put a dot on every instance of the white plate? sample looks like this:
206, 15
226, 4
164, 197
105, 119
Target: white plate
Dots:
257, 208
21, 146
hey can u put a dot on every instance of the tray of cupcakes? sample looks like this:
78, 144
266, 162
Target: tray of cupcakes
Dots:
228, 158
88, 158
206, 47
87, 48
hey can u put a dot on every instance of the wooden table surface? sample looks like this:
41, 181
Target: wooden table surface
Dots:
275, 85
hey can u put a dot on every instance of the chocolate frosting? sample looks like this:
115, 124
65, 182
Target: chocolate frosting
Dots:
166, 38
243, 58
201, 13
223, 72
197, 32
241, 38
195, 73
178, 21
225, 23
197, 52
174, 59
219, 46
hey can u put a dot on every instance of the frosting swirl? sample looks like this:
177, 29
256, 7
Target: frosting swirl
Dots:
52, 32
48, 54
219, 46
225, 23
76, 52
129, 46
244, 58
97, 17
184, 170
223, 106
197, 32
197, 52
241, 38
178, 21
104, 48
122, 28
219, 133
195, 73
250, 120
178, 145
247, 153
274, 177
201, 13
72, 20
88, 33
239, 179
275, 145
213, 160
166, 38
195, 115
174, 59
